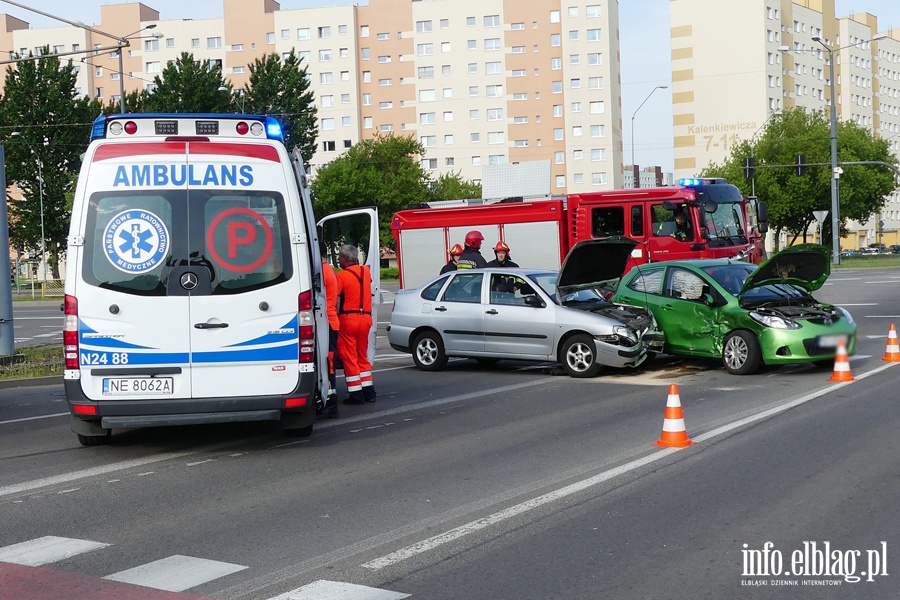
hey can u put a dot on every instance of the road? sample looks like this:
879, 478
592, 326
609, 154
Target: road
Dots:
484, 482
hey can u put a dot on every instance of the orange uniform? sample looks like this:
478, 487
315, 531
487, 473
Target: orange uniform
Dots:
355, 315
331, 294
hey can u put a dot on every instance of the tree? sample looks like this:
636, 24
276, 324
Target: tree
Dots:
40, 103
382, 172
791, 198
451, 186
280, 88
185, 86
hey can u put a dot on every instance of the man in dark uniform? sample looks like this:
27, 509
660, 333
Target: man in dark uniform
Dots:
501, 256
455, 252
471, 258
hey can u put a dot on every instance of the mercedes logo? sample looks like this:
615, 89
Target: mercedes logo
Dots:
189, 281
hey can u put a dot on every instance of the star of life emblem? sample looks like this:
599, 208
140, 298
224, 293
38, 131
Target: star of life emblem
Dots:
136, 241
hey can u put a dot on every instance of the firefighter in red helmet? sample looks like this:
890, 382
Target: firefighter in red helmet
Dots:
471, 258
455, 252
501, 256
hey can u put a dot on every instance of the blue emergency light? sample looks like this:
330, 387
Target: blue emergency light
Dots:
688, 181
206, 122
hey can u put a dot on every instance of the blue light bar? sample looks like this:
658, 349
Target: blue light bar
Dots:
99, 128
688, 181
273, 129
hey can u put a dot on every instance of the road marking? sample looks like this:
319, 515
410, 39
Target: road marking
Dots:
176, 573
479, 524
861, 304
33, 418
45, 550
883, 316
338, 590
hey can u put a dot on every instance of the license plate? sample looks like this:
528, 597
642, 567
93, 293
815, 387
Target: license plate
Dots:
831, 341
137, 386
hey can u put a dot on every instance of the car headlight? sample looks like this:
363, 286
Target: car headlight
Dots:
846, 314
626, 334
774, 321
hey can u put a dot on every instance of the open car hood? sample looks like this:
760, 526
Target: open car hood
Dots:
590, 263
805, 266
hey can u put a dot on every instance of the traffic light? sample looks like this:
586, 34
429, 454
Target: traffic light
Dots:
801, 165
748, 168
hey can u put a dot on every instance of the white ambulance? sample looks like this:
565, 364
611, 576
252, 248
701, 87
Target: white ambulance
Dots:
193, 290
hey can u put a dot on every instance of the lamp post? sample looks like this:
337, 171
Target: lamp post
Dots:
40, 196
124, 43
659, 87
236, 95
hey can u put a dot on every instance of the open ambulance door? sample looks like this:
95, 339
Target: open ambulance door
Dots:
357, 227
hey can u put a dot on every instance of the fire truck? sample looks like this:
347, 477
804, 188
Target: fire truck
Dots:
718, 222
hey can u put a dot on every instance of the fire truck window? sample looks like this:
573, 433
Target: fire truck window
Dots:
637, 220
608, 221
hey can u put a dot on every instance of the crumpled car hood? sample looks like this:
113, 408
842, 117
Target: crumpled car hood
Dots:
806, 266
590, 263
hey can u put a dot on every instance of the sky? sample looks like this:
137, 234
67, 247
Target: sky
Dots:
644, 38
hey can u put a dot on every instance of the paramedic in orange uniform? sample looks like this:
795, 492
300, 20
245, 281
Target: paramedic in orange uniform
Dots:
329, 409
355, 315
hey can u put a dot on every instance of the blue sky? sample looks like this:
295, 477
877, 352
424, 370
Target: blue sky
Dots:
644, 38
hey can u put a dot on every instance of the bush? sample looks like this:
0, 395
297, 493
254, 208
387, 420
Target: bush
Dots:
391, 274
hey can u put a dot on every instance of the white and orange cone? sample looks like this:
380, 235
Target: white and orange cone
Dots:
892, 354
841, 365
674, 434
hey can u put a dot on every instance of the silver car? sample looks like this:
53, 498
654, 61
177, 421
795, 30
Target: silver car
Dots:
522, 314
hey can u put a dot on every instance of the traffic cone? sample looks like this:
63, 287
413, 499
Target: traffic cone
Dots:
892, 354
842, 365
674, 435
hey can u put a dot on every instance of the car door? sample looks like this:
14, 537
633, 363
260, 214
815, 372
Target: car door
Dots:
513, 328
357, 227
458, 313
689, 323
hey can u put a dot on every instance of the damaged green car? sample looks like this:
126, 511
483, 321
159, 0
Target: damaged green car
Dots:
747, 315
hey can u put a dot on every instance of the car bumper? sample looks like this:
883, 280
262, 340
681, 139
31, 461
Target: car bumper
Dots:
791, 346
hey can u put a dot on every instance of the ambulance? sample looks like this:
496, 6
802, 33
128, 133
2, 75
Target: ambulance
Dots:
194, 291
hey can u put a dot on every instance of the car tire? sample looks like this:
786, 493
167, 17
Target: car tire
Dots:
428, 351
95, 440
740, 353
578, 356
299, 432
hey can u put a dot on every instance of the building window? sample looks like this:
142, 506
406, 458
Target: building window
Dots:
213, 43
427, 118
423, 26
598, 131
598, 154
364, 31
325, 55
555, 39
476, 161
426, 96
328, 146
303, 33
598, 178
195, 42
326, 101
492, 44
367, 122
152, 67
445, 23
326, 78
470, 21
517, 26
449, 161
598, 107
493, 91
594, 35
237, 47
519, 73
495, 114
560, 181
151, 45
573, 35
367, 99
426, 72
445, 46
425, 49
429, 164
384, 82
382, 36
558, 134
428, 141
554, 16
324, 32
237, 70
592, 11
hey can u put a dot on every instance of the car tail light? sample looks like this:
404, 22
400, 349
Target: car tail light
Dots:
84, 409
307, 328
70, 332
295, 402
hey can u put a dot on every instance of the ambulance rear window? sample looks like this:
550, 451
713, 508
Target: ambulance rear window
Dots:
233, 241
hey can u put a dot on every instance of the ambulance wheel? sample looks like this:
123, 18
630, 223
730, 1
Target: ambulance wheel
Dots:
428, 351
95, 440
578, 356
301, 432
740, 353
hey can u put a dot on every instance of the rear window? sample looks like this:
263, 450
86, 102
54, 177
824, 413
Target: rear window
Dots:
232, 241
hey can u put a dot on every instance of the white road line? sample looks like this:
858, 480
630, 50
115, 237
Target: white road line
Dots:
176, 573
40, 417
338, 590
479, 524
883, 316
46, 550
860, 304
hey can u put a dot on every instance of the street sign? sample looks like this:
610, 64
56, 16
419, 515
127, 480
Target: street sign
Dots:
820, 215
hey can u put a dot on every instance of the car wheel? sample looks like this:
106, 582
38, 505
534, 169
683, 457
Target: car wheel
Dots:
741, 354
299, 432
428, 351
579, 356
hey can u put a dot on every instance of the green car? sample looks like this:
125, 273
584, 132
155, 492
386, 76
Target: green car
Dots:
745, 314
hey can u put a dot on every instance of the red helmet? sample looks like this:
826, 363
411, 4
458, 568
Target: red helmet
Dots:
474, 238
501, 247
456, 250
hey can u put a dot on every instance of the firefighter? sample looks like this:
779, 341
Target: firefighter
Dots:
501, 256
328, 409
455, 252
471, 258
355, 315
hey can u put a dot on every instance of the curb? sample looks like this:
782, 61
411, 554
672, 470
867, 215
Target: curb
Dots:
30, 382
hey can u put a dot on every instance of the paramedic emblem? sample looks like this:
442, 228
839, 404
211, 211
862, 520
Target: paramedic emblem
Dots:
136, 241
189, 281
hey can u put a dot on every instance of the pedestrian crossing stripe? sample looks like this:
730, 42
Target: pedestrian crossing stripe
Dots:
46, 550
176, 573
338, 590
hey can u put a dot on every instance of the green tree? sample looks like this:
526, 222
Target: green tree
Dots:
280, 88
53, 126
185, 86
792, 198
382, 172
451, 186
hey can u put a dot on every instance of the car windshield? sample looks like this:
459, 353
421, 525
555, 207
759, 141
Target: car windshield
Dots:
725, 226
547, 282
732, 277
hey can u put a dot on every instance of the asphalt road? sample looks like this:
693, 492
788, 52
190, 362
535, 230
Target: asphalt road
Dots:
485, 482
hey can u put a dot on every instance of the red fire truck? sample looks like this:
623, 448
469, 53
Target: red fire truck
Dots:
719, 223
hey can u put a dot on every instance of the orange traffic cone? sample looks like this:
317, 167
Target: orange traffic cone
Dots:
674, 435
892, 354
842, 365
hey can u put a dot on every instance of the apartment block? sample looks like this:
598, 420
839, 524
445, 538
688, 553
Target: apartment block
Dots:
477, 82
737, 62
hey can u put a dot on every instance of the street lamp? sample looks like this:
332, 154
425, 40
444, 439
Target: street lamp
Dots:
125, 43
633, 167
835, 169
237, 96
40, 196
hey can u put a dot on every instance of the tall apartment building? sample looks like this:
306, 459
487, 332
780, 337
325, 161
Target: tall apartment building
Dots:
730, 73
478, 82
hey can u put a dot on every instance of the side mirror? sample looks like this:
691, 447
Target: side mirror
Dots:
762, 212
708, 299
762, 227
710, 206
534, 300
